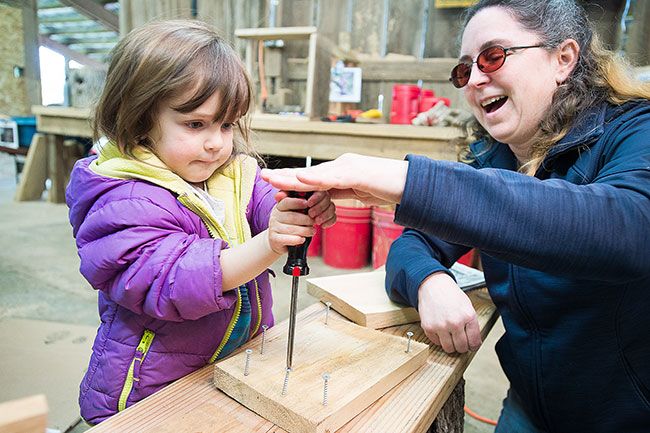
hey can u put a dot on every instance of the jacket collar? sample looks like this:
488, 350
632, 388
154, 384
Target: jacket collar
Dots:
233, 184
587, 128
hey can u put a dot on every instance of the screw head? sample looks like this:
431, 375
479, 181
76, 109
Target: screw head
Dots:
265, 327
249, 351
409, 334
326, 376
329, 304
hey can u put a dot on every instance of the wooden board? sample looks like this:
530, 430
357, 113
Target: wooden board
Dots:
27, 415
361, 298
193, 404
363, 365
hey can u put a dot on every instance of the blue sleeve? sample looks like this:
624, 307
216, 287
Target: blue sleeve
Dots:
596, 231
412, 258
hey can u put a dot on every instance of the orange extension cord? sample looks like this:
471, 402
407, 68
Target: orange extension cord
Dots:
474, 415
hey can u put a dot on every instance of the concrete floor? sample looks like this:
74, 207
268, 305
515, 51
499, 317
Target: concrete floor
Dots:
48, 313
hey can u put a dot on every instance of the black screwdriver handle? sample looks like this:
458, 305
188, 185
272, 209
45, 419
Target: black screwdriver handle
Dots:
297, 256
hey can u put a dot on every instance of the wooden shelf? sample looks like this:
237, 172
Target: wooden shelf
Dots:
271, 33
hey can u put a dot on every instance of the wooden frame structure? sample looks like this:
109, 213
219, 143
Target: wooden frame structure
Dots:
318, 62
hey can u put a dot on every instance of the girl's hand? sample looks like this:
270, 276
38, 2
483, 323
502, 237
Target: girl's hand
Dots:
288, 225
447, 315
321, 208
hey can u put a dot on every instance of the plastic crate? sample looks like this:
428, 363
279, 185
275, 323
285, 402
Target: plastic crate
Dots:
26, 129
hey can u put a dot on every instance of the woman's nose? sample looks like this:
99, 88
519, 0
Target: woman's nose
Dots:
477, 78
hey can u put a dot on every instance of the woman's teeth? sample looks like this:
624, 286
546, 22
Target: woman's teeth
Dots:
494, 104
490, 101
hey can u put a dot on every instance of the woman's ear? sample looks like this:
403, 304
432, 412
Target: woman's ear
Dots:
568, 53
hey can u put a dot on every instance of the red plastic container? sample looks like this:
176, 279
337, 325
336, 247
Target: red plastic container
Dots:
405, 104
427, 100
346, 244
384, 232
314, 247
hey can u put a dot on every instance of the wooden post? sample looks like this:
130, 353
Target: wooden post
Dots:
56, 168
32, 180
451, 417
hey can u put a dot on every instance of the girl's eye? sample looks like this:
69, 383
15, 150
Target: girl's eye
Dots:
227, 126
194, 125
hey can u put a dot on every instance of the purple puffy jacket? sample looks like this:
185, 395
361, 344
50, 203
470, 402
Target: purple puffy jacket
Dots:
156, 267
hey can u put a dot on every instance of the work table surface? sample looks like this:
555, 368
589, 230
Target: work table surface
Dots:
295, 137
194, 404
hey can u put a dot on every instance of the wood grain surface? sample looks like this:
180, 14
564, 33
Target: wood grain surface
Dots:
363, 364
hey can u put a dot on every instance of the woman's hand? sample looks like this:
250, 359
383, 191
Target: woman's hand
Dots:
447, 315
289, 225
369, 179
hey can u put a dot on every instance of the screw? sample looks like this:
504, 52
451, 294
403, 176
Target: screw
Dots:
264, 328
408, 344
326, 378
248, 361
327, 312
286, 381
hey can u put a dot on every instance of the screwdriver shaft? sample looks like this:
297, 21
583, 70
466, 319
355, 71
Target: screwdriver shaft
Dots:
292, 319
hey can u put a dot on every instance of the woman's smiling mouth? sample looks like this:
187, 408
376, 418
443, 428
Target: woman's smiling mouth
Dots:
491, 105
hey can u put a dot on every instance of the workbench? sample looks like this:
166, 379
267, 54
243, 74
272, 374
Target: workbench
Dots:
286, 136
432, 397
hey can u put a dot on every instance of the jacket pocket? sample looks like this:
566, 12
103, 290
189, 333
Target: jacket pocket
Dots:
133, 375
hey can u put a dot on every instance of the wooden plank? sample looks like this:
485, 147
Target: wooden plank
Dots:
34, 175
271, 33
363, 364
415, 403
71, 54
95, 12
193, 404
361, 298
27, 415
389, 70
70, 121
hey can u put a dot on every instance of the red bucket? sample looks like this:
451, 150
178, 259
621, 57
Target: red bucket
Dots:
346, 244
315, 245
384, 232
404, 106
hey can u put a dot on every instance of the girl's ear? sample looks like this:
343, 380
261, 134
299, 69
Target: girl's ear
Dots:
567, 56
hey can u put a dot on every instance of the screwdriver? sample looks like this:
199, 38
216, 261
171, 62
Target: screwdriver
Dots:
296, 266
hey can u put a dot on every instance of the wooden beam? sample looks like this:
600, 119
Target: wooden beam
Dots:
95, 12
32, 180
386, 70
69, 53
32, 64
271, 33
27, 415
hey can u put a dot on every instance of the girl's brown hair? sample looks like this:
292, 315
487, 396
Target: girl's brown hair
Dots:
599, 75
158, 62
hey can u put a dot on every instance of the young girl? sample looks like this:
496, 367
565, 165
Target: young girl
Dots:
174, 226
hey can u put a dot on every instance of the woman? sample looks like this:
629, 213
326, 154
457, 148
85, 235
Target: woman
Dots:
557, 198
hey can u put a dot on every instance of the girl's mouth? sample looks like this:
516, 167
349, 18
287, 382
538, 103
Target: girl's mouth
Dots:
493, 104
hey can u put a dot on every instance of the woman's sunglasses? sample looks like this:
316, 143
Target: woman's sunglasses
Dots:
488, 60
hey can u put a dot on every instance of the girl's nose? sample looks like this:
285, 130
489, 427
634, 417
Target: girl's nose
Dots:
214, 142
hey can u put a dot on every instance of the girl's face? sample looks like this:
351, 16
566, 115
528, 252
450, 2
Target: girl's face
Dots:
191, 144
511, 101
